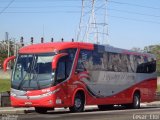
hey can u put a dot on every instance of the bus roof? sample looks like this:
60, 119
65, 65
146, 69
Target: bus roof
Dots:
50, 47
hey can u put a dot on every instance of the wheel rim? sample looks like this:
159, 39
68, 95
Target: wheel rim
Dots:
136, 101
78, 102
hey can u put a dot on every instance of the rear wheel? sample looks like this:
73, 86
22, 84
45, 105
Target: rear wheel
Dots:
78, 103
41, 110
136, 102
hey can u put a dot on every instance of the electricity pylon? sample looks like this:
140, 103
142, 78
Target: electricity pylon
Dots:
93, 22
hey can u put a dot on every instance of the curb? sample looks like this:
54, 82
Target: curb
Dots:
152, 104
16, 111
11, 110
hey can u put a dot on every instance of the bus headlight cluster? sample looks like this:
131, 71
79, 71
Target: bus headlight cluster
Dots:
50, 93
13, 94
47, 94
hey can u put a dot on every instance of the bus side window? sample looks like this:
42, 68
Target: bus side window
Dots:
70, 60
80, 66
82, 58
61, 70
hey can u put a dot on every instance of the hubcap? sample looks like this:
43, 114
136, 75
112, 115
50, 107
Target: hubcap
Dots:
78, 103
136, 101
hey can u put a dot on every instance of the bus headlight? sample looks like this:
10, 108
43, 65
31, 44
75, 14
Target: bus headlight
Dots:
50, 93
13, 94
47, 94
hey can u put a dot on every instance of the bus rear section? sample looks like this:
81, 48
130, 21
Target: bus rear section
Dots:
116, 76
73, 74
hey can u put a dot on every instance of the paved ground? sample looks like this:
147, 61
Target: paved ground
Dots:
145, 113
11, 110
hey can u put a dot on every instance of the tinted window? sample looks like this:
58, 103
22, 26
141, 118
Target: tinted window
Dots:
107, 61
70, 60
84, 61
65, 65
145, 65
61, 70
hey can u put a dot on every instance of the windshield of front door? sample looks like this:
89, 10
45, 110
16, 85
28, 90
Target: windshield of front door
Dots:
64, 66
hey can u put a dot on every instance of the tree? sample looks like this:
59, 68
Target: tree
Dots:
4, 50
154, 49
136, 49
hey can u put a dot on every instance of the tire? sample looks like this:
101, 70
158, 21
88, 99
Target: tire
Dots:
105, 107
136, 102
78, 103
40, 110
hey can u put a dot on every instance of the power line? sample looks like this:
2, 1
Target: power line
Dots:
34, 7
45, 12
118, 10
109, 1
131, 4
126, 18
120, 17
124, 11
23, 7
22, 1
3, 10
134, 19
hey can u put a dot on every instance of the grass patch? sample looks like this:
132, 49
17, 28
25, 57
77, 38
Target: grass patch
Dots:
5, 85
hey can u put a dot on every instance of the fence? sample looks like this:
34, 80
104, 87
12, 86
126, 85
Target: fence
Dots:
5, 99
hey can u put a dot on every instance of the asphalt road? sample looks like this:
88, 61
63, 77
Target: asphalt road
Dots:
145, 113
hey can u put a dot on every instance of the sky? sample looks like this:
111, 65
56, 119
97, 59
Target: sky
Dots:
131, 23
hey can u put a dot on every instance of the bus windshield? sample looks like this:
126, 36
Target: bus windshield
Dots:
33, 71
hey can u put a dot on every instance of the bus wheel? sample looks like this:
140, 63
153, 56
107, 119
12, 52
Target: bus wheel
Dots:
105, 107
40, 110
78, 103
136, 101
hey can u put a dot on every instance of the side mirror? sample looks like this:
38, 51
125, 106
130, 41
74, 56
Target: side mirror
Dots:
5, 63
56, 58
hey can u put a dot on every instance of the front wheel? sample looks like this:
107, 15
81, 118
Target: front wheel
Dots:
78, 104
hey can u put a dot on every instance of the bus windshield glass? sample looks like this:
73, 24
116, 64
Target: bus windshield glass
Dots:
33, 71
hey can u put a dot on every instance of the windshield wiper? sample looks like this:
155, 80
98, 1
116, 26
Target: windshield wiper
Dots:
28, 72
34, 72
22, 81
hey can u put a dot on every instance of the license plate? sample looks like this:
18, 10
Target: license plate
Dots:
28, 103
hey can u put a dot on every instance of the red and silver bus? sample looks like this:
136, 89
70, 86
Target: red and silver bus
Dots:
75, 74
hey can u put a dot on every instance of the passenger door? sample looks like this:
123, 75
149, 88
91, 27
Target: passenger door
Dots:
61, 77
